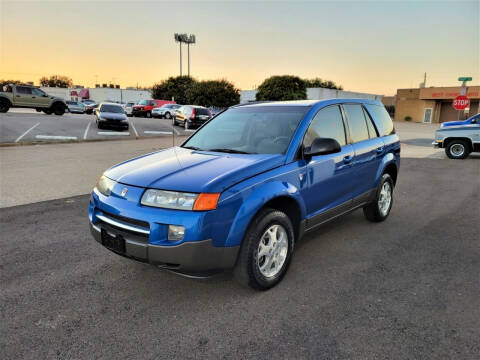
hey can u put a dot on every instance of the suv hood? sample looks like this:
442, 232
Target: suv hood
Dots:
180, 169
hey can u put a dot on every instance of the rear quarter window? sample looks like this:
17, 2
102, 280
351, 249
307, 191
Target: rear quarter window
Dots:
382, 119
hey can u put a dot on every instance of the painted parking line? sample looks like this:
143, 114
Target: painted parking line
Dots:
175, 130
115, 133
26, 132
55, 137
86, 131
188, 130
158, 132
134, 129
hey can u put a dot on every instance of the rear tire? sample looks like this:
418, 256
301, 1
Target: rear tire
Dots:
148, 114
261, 272
457, 149
47, 111
4, 105
186, 125
380, 208
167, 115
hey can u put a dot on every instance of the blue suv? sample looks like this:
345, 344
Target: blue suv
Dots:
247, 185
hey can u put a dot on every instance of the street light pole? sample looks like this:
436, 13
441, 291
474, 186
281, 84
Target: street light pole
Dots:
180, 58
187, 39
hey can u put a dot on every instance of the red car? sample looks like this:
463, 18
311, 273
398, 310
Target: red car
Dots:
145, 107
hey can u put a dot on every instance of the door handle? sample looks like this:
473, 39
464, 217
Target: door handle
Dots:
380, 150
33, 97
18, 95
347, 159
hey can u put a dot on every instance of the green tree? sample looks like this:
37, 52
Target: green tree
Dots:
175, 87
282, 87
319, 83
218, 93
56, 81
5, 82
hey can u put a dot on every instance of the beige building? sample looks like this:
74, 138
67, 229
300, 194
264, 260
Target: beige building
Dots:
434, 104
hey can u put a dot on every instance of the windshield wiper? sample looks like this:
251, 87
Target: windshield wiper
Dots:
231, 151
191, 147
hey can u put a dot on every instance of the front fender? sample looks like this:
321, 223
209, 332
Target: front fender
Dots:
255, 201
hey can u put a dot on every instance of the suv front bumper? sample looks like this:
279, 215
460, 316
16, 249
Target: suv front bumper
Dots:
187, 257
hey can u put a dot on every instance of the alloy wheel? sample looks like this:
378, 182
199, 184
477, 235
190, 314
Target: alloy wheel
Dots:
272, 250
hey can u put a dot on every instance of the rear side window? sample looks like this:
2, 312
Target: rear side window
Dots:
383, 119
356, 122
371, 127
24, 90
327, 123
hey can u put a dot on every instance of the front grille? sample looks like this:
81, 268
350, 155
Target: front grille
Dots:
127, 220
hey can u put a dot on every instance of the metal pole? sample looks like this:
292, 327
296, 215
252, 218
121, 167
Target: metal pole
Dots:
180, 58
188, 49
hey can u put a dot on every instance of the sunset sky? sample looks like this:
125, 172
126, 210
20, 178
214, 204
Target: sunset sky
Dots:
374, 46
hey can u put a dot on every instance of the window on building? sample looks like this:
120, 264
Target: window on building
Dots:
356, 122
327, 123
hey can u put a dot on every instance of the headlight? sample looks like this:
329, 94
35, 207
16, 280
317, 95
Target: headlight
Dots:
180, 200
105, 185
169, 199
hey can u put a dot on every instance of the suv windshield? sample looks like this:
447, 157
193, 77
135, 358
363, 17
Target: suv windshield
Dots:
112, 109
144, 102
250, 129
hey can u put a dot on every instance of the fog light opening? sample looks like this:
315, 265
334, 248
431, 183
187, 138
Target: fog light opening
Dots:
175, 232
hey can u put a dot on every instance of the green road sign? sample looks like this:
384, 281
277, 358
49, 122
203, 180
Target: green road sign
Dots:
464, 79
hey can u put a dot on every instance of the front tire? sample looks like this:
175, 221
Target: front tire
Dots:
380, 208
167, 115
266, 250
186, 125
457, 149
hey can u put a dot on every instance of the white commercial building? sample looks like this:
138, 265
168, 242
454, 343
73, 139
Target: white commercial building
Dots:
317, 94
99, 94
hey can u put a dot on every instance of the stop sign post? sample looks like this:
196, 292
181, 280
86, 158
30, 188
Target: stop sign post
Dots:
461, 102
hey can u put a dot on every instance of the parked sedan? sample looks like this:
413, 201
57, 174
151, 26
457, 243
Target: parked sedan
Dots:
167, 111
113, 115
75, 107
191, 116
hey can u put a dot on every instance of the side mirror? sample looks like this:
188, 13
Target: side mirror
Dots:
322, 146
474, 121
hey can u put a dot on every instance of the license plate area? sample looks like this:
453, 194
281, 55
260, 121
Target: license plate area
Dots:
112, 241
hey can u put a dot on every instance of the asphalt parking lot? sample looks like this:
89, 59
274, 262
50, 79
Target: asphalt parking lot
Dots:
407, 288
28, 126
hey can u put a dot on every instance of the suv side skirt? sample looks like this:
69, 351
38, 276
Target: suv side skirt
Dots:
339, 210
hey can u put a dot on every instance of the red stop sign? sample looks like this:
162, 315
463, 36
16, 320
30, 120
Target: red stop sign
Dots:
461, 102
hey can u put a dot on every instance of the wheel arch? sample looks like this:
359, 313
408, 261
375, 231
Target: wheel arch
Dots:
390, 165
4, 98
276, 195
448, 140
